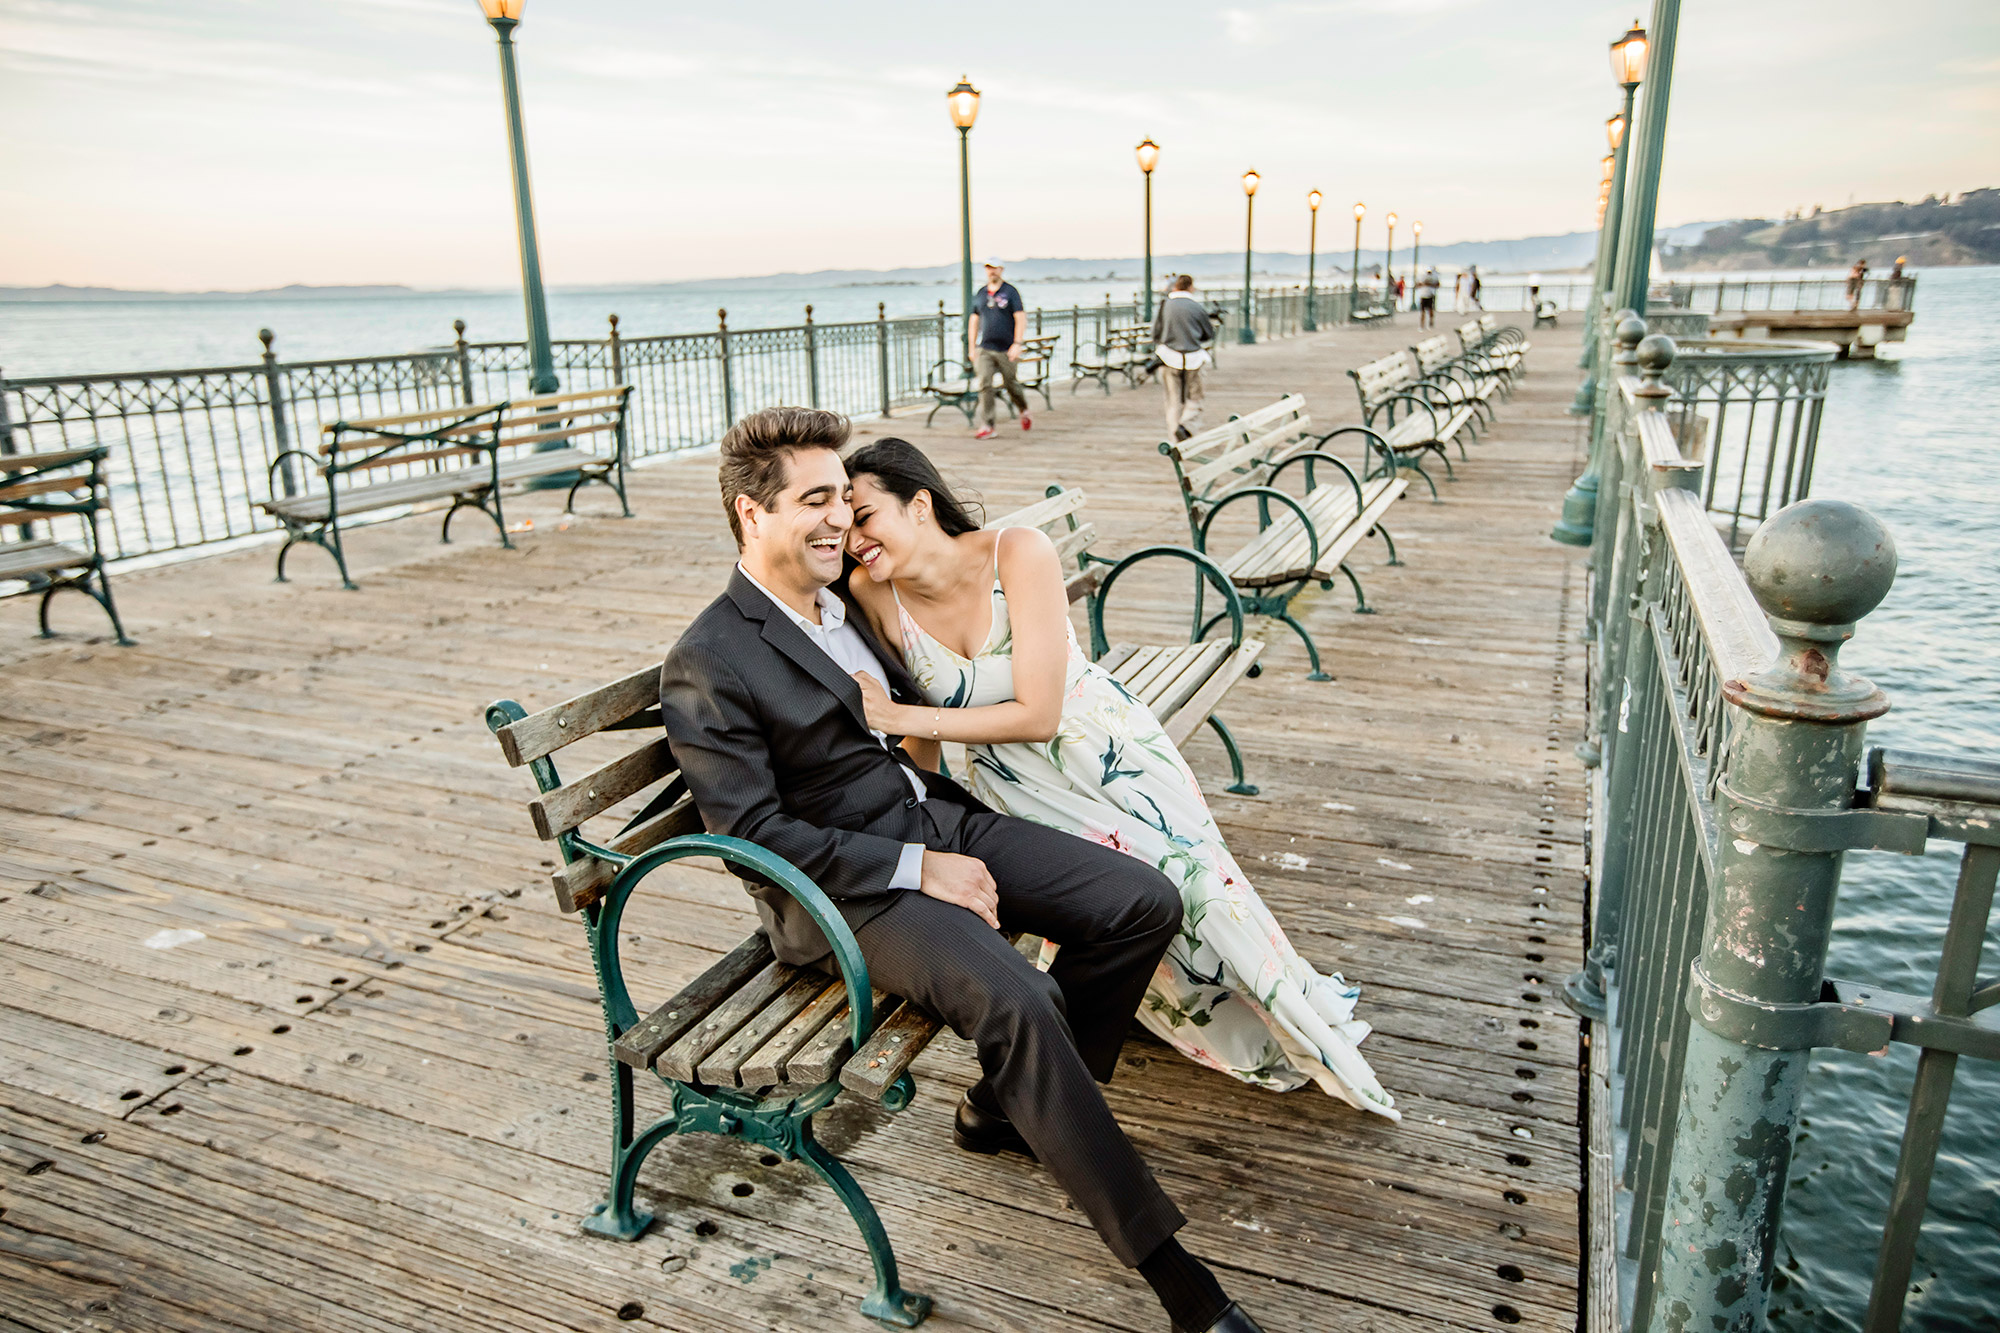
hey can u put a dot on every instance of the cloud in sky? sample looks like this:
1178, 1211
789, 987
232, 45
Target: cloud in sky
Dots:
242, 143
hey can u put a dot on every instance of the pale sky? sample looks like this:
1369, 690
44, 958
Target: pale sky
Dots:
253, 143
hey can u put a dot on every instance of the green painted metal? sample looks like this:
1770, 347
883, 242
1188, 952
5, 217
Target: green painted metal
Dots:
1245, 333
778, 1122
1354, 277
1635, 240
1816, 568
1600, 273
542, 375
1147, 281
1312, 259
965, 226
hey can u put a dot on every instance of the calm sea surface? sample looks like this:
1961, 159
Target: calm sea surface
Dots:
1912, 436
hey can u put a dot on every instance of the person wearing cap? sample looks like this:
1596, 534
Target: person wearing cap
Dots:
993, 333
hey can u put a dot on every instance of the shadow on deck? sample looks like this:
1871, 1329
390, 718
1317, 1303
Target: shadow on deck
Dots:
368, 1093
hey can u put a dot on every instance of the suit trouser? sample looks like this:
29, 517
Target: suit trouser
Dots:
1184, 397
988, 364
1044, 1040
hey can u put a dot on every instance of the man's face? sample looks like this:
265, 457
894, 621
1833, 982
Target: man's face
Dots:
798, 541
992, 275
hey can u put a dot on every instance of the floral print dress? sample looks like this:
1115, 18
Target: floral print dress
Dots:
1231, 993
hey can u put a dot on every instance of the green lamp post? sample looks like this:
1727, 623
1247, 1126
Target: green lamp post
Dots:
1637, 213
964, 103
1245, 333
1577, 527
1313, 198
1389, 266
1149, 157
1354, 274
1416, 255
505, 16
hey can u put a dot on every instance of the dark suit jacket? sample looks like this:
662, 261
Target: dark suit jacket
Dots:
771, 737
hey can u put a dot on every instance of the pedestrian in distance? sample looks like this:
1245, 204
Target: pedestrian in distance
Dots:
1472, 286
1857, 277
1534, 291
1461, 284
994, 330
1427, 299
1182, 331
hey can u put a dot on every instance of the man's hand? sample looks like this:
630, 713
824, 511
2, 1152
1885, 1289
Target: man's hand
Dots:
962, 880
1014, 352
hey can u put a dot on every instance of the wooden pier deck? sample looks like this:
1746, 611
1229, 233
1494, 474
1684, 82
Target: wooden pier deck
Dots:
368, 1095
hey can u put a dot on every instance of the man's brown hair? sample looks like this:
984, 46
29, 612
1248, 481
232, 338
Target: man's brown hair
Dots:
1184, 283
755, 453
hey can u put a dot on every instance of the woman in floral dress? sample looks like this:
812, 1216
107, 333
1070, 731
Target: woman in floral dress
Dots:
983, 625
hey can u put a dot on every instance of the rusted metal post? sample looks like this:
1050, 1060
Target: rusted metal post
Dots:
281, 430
1816, 568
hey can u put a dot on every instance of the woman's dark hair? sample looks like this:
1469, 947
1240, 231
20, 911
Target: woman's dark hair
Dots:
902, 469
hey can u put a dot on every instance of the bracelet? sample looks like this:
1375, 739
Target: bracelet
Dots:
934, 723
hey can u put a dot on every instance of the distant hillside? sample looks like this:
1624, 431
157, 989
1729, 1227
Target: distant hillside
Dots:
296, 291
1935, 232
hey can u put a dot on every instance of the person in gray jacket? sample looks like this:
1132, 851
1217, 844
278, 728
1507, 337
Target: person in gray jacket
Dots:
1182, 331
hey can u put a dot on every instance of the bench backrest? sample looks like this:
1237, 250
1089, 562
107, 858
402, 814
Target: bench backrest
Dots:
1240, 452
1433, 354
1037, 351
562, 808
36, 485
1471, 337
1061, 517
1381, 379
469, 429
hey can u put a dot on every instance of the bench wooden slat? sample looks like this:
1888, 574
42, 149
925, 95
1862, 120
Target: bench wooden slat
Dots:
42, 556
722, 1067
577, 396
642, 1043
1195, 711
1116, 656
1165, 667
462, 411
47, 458
415, 456
559, 811
1333, 554
739, 1007
21, 490
544, 733
890, 1049
581, 883
427, 486
820, 1056
1069, 543
765, 1066
1169, 693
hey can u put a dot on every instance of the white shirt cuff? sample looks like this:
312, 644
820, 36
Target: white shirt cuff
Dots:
909, 868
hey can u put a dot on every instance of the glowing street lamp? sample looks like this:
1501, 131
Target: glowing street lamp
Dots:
505, 16
1244, 333
963, 101
1149, 157
1313, 198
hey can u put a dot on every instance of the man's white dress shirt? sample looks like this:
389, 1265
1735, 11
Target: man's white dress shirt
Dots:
850, 652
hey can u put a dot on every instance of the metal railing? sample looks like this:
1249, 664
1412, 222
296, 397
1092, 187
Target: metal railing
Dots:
1730, 743
192, 450
1724, 295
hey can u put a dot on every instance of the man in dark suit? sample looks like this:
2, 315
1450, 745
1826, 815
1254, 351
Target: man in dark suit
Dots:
767, 724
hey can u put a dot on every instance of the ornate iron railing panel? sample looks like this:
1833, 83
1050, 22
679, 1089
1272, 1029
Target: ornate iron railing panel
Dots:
1726, 295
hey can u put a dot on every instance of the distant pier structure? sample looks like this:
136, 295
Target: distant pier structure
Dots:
1856, 317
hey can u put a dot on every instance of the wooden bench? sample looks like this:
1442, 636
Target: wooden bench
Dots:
1122, 352
1458, 380
1501, 347
44, 486
1310, 539
1545, 313
1410, 416
423, 442
950, 383
750, 1049
1181, 684
1368, 306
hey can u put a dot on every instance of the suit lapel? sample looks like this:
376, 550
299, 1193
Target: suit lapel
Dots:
789, 639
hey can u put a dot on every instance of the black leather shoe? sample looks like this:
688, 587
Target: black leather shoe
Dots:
1234, 1320
976, 1131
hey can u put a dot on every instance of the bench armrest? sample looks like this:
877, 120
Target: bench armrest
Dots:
1312, 456
1262, 494
958, 370
1370, 437
1204, 567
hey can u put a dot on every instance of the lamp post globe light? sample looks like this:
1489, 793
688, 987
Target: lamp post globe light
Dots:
1149, 157
1354, 274
505, 16
1244, 333
1313, 198
1389, 266
963, 100
1577, 527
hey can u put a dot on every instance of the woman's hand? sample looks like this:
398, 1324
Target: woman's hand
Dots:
884, 714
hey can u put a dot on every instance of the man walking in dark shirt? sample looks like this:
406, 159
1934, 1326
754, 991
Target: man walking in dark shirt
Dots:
993, 333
